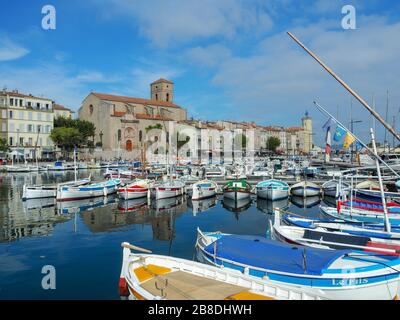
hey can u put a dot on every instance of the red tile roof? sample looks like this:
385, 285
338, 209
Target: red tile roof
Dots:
110, 97
21, 95
294, 129
60, 107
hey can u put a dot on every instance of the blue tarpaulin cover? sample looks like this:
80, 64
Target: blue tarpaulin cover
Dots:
268, 254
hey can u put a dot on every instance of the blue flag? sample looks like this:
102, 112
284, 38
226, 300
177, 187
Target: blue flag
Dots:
339, 133
327, 126
359, 146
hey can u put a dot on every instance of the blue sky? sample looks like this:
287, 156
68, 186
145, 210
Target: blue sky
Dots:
229, 59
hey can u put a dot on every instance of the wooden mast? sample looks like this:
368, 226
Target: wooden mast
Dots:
347, 87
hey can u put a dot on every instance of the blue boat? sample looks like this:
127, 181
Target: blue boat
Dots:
340, 274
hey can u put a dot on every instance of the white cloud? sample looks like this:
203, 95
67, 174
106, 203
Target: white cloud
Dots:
96, 77
9, 50
168, 22
209, 55
280, 79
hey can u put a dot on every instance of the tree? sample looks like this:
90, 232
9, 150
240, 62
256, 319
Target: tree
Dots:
66, 138
68, 133
273, 143
4, 147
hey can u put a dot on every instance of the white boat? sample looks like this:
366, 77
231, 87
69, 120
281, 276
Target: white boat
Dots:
335, 188
204, 189
48, 191
339, 236
237, 190
134, 190
99, 189
214, 172
156, 277
272, 189
17, 169
340, 274
169, 189
36, 192
305, 189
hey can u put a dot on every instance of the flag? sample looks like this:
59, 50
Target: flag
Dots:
327, 126
328, 142
359, 146
348, 140
339, 133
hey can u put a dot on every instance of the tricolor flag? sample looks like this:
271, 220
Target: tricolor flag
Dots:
339, 133
328, 142
348, 140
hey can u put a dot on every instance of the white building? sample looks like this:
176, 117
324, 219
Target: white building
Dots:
26, 122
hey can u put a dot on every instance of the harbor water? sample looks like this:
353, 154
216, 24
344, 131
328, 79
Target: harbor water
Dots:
81, 239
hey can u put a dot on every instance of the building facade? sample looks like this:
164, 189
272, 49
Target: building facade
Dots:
61, 111
122, 122
26, 122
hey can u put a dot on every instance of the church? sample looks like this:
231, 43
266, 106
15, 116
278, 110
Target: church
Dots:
121, 121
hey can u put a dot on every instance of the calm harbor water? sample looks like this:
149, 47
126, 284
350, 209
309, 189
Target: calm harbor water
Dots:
81, 239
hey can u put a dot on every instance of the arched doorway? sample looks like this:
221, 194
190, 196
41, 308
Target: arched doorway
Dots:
128, 145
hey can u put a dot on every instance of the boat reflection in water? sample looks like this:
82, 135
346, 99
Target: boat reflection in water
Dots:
268, 206
329, 201
79, 206
131, 205
31, 204
237, 206
307, 202
201, 205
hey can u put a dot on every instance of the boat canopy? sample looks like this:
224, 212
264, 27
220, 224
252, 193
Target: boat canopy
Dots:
268, 254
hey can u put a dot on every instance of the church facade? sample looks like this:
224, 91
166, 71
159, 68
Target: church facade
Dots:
122, 122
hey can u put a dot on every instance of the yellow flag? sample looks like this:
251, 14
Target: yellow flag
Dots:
348, 140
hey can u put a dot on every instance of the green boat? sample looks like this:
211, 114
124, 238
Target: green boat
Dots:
237, 190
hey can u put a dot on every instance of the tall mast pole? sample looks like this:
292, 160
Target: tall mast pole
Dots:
347, 87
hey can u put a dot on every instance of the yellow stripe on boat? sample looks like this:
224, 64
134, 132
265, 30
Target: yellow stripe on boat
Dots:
246, 295
150, 271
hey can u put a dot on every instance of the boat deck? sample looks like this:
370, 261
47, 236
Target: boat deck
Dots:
180, 285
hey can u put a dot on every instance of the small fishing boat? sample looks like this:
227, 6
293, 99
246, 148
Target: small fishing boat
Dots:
305, 189
375, 195
48, 191
237, 190
18, 169
370, 206
355, 215
169, 189
40, 191
335, 188
350, 237
340, 274
146, 276
272, 189
137, 189
99, 189
204, 189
